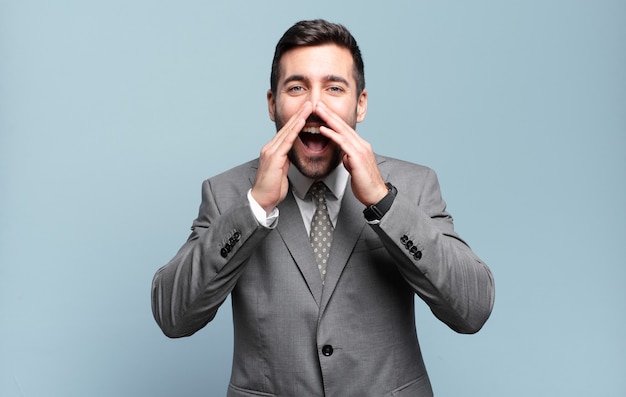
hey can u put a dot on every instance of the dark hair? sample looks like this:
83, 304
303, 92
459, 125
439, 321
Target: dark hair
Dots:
313, 33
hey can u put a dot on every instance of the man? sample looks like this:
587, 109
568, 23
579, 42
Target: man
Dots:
338, 324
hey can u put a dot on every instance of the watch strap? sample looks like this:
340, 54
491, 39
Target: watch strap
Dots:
377, 211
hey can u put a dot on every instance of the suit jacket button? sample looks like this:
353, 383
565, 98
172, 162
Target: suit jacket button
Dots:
224, 252
327, 350
418, 255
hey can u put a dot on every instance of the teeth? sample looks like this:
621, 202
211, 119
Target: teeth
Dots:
311, 130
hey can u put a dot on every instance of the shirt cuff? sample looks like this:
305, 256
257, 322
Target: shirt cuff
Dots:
266, 220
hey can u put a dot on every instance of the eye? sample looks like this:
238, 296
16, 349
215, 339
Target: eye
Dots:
335, 89
295, 89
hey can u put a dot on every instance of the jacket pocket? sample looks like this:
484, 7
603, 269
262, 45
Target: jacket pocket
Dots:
419, 387
235, 391
368, 244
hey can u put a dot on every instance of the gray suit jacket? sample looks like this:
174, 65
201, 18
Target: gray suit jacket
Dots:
353, 336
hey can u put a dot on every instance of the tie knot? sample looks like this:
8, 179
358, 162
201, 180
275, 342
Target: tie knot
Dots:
318, 190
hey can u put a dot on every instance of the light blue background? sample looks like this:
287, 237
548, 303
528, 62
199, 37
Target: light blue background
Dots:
113, 112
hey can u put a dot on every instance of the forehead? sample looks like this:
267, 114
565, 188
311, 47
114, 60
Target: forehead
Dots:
317, 62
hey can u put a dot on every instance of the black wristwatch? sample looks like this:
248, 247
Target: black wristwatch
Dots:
375, 212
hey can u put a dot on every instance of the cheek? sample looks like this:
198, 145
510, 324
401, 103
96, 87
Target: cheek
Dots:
286, 109
347, 111
342, 106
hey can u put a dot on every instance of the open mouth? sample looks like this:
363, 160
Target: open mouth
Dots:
313, 139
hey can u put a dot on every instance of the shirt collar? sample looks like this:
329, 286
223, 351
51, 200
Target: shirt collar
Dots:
336, 181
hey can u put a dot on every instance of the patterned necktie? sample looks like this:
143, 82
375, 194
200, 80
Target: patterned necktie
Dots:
321, 228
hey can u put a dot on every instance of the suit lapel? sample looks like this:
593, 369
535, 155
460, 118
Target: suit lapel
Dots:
293, 233
350, 224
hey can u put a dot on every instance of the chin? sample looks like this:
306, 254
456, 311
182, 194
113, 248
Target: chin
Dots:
315, 167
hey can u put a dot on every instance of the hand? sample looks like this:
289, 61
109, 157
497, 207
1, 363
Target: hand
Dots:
368, 185
270, 184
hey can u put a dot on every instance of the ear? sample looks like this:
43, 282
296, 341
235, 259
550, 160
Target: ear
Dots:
361, 106
271, 105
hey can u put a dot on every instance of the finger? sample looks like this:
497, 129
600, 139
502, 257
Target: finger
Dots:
338, 130
334, 121
357, 151
297, 122
287, 135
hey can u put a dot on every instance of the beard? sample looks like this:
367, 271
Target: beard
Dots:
316, 167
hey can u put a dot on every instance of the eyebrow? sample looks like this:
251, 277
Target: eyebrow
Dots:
330, 77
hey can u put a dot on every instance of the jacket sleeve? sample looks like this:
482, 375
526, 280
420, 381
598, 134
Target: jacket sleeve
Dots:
188, 291
439, 266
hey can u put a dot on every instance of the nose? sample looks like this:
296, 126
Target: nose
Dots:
314, 96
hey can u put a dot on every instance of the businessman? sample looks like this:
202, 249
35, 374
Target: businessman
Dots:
322, 244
